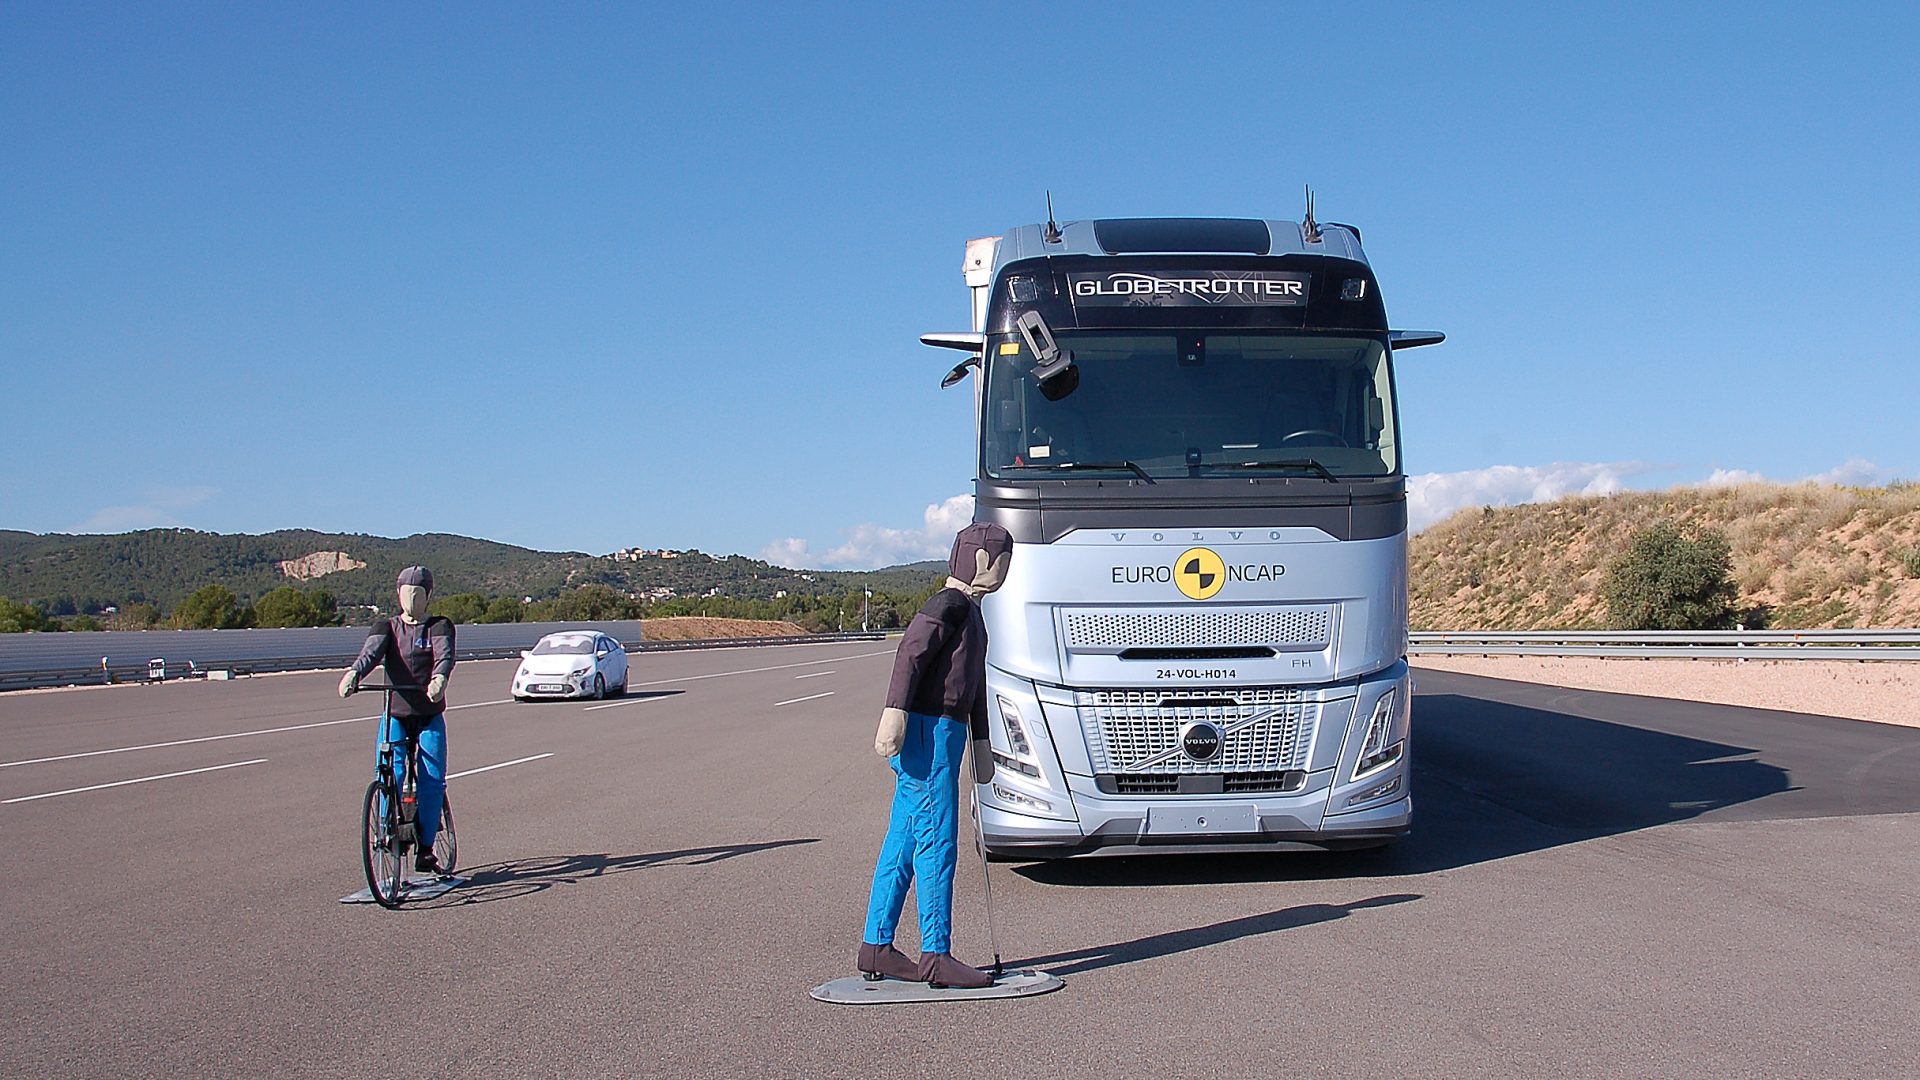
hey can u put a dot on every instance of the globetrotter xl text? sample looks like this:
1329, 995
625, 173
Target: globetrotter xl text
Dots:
1221, 287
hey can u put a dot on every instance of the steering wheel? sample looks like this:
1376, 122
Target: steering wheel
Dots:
1338, 439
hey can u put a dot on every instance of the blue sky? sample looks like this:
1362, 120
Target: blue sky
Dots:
586, 277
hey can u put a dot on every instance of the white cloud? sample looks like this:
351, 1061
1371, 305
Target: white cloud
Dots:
1433, 497
1856, 472
156, 510
1732, 478
868, 546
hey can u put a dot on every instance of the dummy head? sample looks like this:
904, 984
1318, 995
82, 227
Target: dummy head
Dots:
416, 588
982, 552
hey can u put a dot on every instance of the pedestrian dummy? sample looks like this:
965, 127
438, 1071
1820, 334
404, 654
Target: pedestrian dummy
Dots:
416, 651
936, 703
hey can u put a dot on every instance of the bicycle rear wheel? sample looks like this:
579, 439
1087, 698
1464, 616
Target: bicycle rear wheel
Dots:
380, 847
446, 848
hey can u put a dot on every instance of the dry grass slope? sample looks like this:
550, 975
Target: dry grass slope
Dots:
1813, 555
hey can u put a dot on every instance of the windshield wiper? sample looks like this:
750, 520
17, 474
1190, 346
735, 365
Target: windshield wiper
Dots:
1289, 463
1137, 470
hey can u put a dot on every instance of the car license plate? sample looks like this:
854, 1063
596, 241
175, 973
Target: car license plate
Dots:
549, 688
1209, 820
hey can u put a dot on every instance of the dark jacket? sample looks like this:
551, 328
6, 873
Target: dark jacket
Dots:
412, 654
941, 668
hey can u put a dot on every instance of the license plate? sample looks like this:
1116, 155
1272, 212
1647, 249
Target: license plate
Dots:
549, 688
1207, 820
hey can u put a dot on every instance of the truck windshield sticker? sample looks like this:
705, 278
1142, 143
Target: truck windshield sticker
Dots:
1190, 288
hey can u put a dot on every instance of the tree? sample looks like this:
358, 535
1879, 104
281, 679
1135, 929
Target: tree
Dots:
1672, 579
461, 607
20, 618
211, 607
505, 609
288, 606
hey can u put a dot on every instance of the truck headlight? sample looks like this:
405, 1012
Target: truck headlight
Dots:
1384, 741
1024, 760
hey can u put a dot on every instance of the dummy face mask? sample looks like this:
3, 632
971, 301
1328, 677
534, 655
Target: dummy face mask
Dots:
413, 603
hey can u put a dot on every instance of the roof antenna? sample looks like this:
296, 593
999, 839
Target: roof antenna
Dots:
1309, 228
1052, 235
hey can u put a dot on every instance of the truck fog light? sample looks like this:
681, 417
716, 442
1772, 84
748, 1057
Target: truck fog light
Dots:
1015, 798
1377, 792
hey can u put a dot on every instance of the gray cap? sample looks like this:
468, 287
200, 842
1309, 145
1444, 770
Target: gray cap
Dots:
979, 536
416, 575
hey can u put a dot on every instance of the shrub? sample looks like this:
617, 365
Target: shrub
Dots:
1671, 579
288, 606
211, 607
462, 608
1910, 561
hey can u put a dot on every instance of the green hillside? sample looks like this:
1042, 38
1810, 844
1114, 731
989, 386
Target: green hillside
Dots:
67, 573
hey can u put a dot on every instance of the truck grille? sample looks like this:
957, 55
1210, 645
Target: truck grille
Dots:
1267, 783
1288, 629
1127, 730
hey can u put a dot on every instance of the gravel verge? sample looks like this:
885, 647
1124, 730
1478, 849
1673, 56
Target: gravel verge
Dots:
1883, 692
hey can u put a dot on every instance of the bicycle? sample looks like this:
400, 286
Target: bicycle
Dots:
389, 810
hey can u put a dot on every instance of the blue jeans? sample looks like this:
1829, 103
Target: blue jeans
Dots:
921, 833
432, 783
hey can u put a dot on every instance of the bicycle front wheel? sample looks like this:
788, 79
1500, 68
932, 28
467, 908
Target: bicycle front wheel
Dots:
380, 847
446, 848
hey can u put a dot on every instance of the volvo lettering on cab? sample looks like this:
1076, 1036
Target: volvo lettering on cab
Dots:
1189, 427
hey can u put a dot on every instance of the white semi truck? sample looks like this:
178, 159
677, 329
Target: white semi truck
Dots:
1189, 427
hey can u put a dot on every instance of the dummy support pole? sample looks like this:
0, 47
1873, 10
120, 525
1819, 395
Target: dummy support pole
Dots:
986, 878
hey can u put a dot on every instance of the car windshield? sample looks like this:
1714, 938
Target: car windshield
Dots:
1173, 404
563, 647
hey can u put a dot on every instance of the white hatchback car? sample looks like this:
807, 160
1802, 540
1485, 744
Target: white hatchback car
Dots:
571, 664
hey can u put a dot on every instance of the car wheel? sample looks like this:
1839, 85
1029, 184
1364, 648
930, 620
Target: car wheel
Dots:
599, 687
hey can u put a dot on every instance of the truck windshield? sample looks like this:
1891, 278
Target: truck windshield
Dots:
1198, 404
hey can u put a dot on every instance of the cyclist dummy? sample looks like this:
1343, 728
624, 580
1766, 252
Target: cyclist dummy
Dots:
417, 652
936, 701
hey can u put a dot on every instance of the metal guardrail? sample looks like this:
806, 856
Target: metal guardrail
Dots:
1671, 644
169, 669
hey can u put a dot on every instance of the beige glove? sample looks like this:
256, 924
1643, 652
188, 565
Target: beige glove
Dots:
892, 734
349, 683
436, 688
982, 761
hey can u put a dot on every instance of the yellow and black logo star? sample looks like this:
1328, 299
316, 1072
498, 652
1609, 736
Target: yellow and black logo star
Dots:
1199, 573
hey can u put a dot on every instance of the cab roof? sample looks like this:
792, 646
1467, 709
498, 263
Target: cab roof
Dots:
1179, 236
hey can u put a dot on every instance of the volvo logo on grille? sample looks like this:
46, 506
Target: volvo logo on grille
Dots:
1200, 740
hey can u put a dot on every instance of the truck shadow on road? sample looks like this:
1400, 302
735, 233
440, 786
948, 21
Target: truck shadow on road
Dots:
515, 878
1077, 961
1493, 779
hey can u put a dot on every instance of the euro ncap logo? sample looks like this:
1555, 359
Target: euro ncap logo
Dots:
1199, 573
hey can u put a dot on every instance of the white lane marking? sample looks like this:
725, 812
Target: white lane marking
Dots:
758, 670
815, 675
136, 780
217, 738
450, 708
798, 700
502, 765
628, 701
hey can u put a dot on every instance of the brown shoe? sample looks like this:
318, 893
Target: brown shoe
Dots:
941, 971
886, 962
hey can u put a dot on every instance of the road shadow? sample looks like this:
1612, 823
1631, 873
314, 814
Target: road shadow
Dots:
1493, 779
636, 695
515, 878
1077, 961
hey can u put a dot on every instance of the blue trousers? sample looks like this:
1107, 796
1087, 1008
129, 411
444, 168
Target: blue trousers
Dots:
921, 833
432, 784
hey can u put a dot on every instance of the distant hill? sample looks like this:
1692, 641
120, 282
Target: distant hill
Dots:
1809, 555
70, 573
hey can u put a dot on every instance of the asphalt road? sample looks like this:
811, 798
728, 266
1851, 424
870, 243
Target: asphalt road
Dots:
1599, 886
